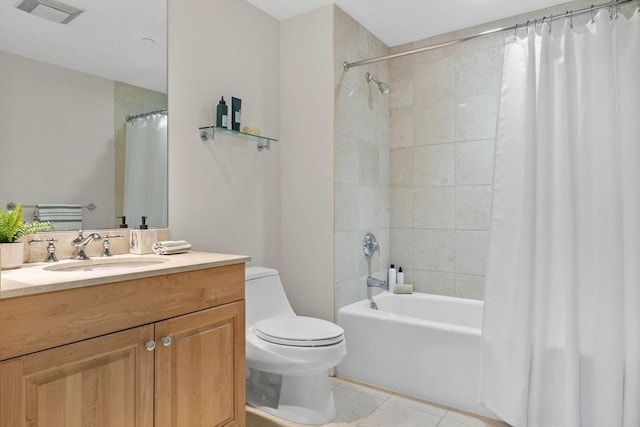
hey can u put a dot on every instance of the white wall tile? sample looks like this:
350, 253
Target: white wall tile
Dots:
434, 123
370, 205
478, 72
468, 286
474, 162
473, 207
346, 255
402, 247
434, 282
434, 207
475, 117
471, 252
402, 127
347, 160
401, 94
434, 81
434, 165
434, 250
347, 292
368, 164
402, 208
347, 215
402, 170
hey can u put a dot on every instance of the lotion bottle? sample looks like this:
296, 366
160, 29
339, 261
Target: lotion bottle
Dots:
392, 278
222, 114
400, 276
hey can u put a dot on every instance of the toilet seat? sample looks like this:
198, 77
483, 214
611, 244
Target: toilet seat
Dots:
299, 331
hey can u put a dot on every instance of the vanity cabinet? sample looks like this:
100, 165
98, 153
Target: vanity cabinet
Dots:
180, 364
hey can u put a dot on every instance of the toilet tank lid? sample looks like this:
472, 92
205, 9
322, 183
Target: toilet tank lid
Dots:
256, 272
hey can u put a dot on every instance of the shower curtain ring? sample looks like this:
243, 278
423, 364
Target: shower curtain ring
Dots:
592, 16
569, 15
515, 32
549, 23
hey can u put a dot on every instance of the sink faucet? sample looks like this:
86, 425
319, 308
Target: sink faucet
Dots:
81, 242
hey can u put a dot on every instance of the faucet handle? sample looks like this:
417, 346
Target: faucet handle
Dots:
106, 251
370, 245
51, 248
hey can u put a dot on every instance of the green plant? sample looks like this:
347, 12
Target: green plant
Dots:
12, 226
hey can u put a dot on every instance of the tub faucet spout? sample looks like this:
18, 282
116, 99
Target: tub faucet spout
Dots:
372, 282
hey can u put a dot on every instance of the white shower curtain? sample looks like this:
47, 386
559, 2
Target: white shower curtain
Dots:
145, 175
561, 334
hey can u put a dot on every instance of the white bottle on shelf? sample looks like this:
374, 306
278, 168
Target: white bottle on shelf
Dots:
392, 278
400, 276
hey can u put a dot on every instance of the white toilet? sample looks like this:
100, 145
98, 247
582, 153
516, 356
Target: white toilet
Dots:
288, 356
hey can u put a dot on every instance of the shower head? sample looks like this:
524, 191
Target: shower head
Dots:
382, 86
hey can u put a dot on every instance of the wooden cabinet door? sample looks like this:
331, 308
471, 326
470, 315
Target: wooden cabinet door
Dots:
100, 382
200, 374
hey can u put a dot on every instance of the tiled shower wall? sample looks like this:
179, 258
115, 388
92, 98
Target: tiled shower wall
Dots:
443, 123
361, 160
443, 115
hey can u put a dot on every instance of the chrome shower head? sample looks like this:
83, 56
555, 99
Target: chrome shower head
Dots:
382, 86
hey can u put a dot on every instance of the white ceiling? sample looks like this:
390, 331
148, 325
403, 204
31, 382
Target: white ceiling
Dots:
105, 40
397, 22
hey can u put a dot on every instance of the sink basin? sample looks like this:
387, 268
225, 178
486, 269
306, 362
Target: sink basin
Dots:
107, 264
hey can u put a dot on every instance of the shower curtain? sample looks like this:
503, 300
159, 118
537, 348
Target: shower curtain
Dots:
145, 174
561, 333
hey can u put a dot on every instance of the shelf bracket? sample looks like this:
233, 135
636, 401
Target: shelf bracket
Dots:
264, 144
206, 135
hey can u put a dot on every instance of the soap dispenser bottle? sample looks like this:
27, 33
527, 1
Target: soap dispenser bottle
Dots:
400, 276
222, 114
142, 240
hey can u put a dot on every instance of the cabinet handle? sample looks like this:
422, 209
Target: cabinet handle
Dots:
166, 341
150, 345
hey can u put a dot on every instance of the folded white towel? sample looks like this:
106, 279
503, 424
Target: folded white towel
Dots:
58, 205
168, 247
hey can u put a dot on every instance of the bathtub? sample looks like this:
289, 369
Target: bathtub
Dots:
421, 345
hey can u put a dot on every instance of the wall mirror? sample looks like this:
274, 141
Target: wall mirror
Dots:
66, 89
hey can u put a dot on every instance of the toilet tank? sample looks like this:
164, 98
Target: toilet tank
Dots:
264, 295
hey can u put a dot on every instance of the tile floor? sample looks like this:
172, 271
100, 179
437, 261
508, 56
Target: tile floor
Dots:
362, 406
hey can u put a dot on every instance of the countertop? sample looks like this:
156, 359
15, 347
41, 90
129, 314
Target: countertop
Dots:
35, 278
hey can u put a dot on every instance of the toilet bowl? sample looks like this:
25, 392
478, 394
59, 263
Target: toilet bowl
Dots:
288, 356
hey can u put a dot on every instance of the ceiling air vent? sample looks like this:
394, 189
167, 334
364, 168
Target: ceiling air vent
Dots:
50, 9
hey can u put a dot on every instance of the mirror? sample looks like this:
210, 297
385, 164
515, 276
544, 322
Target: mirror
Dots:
65, 93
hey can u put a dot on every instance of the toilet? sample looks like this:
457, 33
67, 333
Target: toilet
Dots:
288, 356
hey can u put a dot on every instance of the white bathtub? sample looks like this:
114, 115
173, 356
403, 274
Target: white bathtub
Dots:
421, 345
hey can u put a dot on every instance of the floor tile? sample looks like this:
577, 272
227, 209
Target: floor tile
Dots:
354, 402
454, 418
399, 413
359, 405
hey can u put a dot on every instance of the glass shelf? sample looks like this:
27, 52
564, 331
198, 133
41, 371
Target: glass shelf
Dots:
208, 132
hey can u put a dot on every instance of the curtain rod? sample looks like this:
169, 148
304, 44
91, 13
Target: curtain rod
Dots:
150, 113
548, 19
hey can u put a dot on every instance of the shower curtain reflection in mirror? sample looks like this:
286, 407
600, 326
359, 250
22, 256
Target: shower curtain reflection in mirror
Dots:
145, 176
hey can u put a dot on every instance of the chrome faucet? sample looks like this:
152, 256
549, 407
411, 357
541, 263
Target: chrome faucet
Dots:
81, 242
372, 282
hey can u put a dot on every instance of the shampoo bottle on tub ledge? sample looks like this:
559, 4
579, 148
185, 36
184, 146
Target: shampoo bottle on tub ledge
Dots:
392, 278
